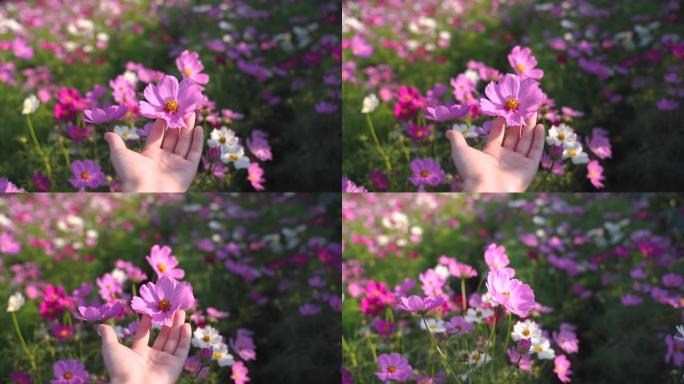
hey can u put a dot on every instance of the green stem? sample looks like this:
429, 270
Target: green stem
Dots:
46, 163
445, 360
197, 374
23, 342
65, 152
381, 150
508, 333
463, 294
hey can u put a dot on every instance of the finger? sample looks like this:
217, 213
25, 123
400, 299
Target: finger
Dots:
184, 342
458, 147
185, 138
117, 148
512, 137
195, 153
162, 337
174, 334
156, 136
526, 136
108, 336
496, 134
537, 148
142, 334
170, 139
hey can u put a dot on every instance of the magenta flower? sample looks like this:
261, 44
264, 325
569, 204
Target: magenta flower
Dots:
441, 113
458, 326
426, 171
524, 63
8, 245
255, 175
513, 99
239, 373
516, 297
562, 368
101, 313
259, 146
566, 338
62, 332
170, 101
497, 260
360, 47
595, 174
348, 186
162, 300
6, 186
190, 67
393, 367
69, 372
106, 115
86, 174
599, 143
630, 299
419, 305
164, 263
675, 351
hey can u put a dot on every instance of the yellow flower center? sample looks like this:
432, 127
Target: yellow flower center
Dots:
476, 356
161, 267
68, 375
561, 136
206, 338
572, 153
512, 104
64, 332
126, 134
391, 369
85, 175
425, 174
233, 157
171, 106
526, 332
521, 67
222, 140
218, 355
538, 348
187, 71
164, 305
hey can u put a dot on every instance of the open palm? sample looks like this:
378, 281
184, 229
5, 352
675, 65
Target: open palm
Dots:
167, 164
140, 364
505, 164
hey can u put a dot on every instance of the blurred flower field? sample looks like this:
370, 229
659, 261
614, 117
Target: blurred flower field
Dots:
266, 78
530, 288
610, 72
263, 270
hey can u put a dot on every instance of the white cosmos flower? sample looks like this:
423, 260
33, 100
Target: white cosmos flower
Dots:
206, 337
542, 348
15, 302
477, 315
561, 135
527, 329
236, 155
126, 132
370, 103
119, 275
680, 335
224, 138
468, 131
575, 153
221, 355
434, 325
30, 106
478, 358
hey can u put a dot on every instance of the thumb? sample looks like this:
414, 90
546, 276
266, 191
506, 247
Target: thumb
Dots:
115, 142
458, 147
108, 336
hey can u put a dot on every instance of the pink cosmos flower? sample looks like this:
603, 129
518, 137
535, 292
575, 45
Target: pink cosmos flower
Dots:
630, 299
426, 171
190, 67
497, 260
348, 186
255, 175
86, 174
243, 344
562, 368
675, 351
101, 313
463, 88
161, 300
360, 47
458, 326
239, 373
164, 263
170, 101
441, 113
383, 328
62, 332
524, 63
258, 145
6, 186
8, 245
595, 174
524, 362
69, 372
599, 143
106, 115
393, 367
566, 338
419, 305
513, 99
516, 297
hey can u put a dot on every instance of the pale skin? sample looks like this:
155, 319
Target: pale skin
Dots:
140, 364
167, 164
508, 161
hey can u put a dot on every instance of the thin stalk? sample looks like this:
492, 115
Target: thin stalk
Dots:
197, 374
23, 342
39, 148
463, 294
381, 150
445, 360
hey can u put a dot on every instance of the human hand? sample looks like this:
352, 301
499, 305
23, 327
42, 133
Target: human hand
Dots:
505, 164
167, 164
140, 364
